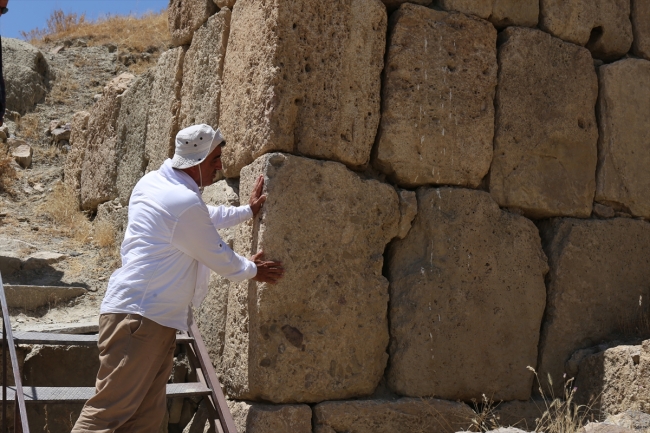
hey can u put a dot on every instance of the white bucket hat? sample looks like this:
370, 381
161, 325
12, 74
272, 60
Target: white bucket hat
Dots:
194, 144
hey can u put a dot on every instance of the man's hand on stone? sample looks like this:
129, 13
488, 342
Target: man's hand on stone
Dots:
257, 199
267, 271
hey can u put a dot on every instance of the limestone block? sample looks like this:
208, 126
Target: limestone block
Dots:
225, 3
203, 71
641, 27
501, 13
132, 135
61, 366
623, 179
23, 155
321, 332
405, 415
520, 414
162, 123
599, 272
613, 380
302, 77
99, 167
26, 74
186, 16
546, 134
211, 316
252, 417
467, 299
437, 121
408, 208
78, 144
603, 26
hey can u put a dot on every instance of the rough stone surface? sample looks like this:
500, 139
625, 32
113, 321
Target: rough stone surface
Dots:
623, 178
601, 427
26, 75
78, 144
603, 26
290, 85
9, 263
116, 215
34, 297
408, 208
211, 316
520, 414
42, 259
603, 211
437, 121
321, 332
266, 418
225, 3
23, 155
641, 27
599, 271
53, 418
405, 415
131, 135
203, 72
467, 299
501, 13
99, 167
186, 16
61, 366
162, 124
546, 134
632, 419
391, 5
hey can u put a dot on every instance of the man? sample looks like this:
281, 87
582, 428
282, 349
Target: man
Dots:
169, 246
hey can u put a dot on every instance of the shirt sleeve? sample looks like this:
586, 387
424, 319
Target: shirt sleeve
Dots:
196, 236
227, 216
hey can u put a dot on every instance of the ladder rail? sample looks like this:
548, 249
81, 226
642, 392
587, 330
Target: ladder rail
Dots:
8, 342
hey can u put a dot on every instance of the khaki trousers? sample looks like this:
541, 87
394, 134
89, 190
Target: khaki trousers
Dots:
135, 357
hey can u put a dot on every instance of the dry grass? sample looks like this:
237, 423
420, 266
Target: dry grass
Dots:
104, 234
29, 127
7, 172
133, 33
486, 418
62, 207
63, 88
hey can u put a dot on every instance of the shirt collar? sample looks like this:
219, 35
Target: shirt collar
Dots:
178, 177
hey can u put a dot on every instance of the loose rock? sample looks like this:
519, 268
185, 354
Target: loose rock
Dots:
23, 155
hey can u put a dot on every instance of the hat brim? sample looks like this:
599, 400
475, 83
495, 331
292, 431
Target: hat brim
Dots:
197, 158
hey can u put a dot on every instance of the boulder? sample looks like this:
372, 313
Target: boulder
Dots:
545, 142
252, 417
74, 160
186, 16
437, 121
9, 263
501, 13
623, 179
321, 332
162, 123
603, 26
211, 316
641, 28
466, 299
599, 275
132, 134
291, 86
99, 168
203, 71
405, 415
26, 75
615, 380
23, 155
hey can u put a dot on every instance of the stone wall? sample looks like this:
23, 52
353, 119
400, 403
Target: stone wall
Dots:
457, 190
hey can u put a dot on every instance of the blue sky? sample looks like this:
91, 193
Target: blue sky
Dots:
26, 15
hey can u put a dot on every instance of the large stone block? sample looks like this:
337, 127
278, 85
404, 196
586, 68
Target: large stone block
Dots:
132, 135
61, 366
599, 272
162, 124
623, 178
99, 167
616, 379
603, 26
75, 158
545, 145
437, 121
321, 332
211, 316
641, 27
203, 71
466, 299
303, 77
252, 417
186, 16
26, 74
501, 13
405, 415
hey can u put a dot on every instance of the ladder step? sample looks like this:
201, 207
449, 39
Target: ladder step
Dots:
35, 394
23, 337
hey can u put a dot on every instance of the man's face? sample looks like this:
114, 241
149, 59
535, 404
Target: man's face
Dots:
210, 166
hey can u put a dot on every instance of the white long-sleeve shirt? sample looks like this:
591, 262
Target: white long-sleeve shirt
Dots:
171, 233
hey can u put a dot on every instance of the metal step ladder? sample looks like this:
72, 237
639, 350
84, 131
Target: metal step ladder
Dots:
208, 385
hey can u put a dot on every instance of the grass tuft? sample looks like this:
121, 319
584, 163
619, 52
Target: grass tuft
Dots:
104, 234
62, 207
7, 172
